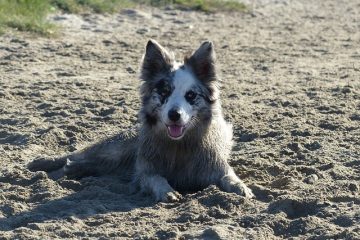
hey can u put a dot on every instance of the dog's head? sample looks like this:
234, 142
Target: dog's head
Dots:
178, 97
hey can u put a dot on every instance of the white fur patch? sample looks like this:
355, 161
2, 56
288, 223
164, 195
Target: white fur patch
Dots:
183, 81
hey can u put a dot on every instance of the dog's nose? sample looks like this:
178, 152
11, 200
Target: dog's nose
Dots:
174, 114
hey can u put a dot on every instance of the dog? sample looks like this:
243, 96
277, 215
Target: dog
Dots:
183, 142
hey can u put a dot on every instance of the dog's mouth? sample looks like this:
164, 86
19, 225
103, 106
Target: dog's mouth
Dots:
176, 131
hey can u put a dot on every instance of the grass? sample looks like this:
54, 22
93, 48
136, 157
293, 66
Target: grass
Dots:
30, 15
25, 15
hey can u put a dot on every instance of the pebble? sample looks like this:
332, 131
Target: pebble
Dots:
311, 179
313, 146
142, 30
353, 187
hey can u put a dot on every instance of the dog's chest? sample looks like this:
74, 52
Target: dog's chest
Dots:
189, 167
175, 159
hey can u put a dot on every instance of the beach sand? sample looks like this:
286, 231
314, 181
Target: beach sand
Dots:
290, 75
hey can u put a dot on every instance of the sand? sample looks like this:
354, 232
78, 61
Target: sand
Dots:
290, 85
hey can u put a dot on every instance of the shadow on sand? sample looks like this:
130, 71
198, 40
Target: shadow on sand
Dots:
64, 199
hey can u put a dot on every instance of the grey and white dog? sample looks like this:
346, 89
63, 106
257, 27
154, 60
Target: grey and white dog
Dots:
183, 142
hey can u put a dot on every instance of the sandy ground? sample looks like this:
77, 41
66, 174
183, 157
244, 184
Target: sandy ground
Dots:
291, 87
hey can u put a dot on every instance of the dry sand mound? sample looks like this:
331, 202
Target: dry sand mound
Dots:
291, 87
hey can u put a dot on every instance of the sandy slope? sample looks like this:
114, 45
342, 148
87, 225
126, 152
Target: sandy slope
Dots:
291, 87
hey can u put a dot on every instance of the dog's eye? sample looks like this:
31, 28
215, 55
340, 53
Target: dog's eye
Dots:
164, 91
190, 96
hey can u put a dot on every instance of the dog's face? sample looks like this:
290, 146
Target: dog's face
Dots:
177, 97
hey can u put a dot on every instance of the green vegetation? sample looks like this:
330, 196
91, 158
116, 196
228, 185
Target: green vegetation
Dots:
26, 15
30, 15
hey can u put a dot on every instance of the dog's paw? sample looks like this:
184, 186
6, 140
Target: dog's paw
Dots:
46, 164
231, 183
241, 189
168, 197
171, 197
79, 169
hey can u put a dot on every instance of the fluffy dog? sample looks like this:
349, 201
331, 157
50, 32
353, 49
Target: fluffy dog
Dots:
183, 142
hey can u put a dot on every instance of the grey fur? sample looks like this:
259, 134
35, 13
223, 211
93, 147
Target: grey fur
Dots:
155, 163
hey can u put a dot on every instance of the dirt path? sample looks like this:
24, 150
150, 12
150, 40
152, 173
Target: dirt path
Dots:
291, 87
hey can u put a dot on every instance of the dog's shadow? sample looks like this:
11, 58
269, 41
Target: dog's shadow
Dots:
88, 196
55, 196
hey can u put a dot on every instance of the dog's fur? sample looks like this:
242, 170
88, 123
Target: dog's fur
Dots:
183, 142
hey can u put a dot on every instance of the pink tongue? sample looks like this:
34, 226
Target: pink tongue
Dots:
175, 131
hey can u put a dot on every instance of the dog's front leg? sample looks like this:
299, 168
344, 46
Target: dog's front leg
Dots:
158, 187
232, 183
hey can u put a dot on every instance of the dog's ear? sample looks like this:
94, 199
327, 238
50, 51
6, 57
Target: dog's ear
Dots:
202, 62
156, 60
